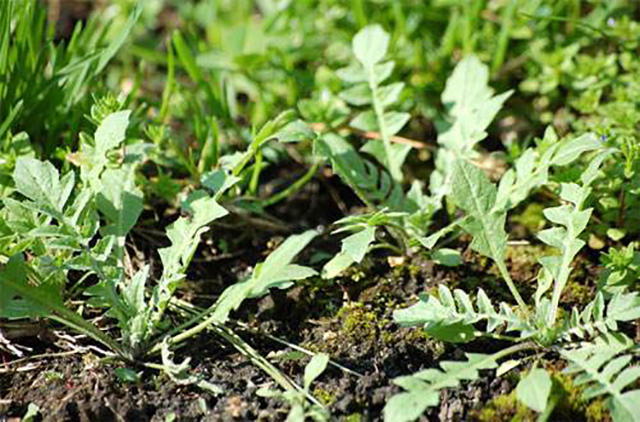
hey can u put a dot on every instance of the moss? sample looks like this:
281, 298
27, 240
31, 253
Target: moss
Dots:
354, 417
531, 218
574, 406
358, 322
597, 411
504, 408
576, 292
325, 397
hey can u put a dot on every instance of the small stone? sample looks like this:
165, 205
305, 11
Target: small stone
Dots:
395, 261
329, 335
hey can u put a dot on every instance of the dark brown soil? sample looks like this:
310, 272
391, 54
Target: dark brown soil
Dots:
350, 318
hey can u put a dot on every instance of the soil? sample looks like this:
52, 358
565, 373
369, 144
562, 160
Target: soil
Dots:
350, 318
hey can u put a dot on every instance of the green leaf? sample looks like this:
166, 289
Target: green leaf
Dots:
314, 368
127, 375
179, 372
336, 265
119, 200
185, 233
470, 105
399, 153
33, 410
370, 45
534, 389
45, 299
450, 316
358, 95
275, 271
569, 151
472, 191
357, 244
395, 121
406, 407
40, 182
423, 387
366, 180
111, 131
603, 368
447, 257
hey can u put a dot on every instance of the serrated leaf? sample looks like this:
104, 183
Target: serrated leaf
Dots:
472, 192
275, 271
603, 369
184, 235
119, 200
470, 104
424, 386
534, 389
40, 182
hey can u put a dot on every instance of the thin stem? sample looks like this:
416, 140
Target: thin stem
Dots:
514, 349
293, 188
385, 245
512, 287
382, 124
240, 345
255, 176
295, 347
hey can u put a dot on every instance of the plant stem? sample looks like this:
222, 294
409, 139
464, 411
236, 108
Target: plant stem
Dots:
512, 287
293, 188
514, 349
240, 345
382, 124
255, 176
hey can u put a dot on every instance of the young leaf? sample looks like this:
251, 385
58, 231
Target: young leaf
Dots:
472, 191
357, 244
423, 388
119, 200
40, 182
571, 220
534, 389
470, 107
275, 271
111, 131
451, 316
603, 368
314, 368
370, 45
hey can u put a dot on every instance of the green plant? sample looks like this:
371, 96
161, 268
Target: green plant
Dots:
66, 225
300, 408
454, 318
43, 81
